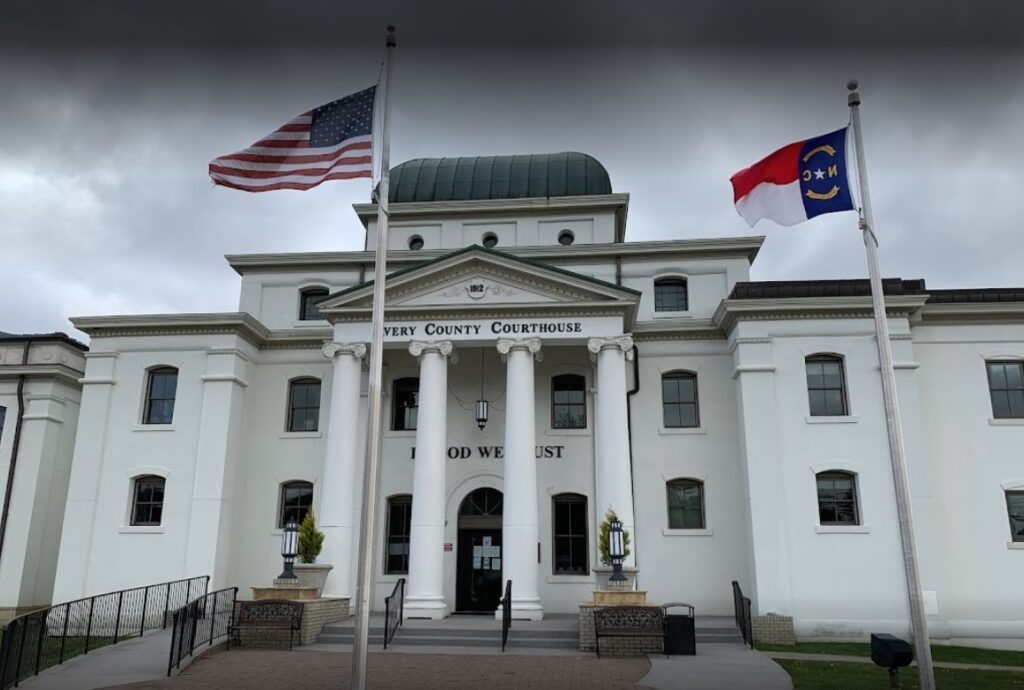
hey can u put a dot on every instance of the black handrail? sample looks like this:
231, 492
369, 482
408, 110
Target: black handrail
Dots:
506, 614
50, 636
393, 611
200, 621
741, 608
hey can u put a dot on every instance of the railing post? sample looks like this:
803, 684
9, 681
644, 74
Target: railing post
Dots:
145, 602
21, 652
194, 615
88, 627
213, 616
117, 620
64, 637
39, 642
167, 607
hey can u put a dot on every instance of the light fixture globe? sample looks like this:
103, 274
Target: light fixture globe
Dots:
289, 550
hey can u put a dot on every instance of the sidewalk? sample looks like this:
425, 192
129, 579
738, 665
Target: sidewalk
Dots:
798, 656
717, 667
143, 658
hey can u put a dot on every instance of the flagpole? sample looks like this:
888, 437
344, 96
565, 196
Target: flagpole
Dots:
371, 473
904, 511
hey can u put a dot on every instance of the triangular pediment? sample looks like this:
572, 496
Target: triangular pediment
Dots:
476, 278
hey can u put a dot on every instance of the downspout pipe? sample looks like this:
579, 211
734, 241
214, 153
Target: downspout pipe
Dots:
14, 448
629, 406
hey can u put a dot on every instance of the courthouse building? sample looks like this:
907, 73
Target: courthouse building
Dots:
736, 427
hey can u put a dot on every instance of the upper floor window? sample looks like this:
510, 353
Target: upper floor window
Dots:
685, 504
1015, 510
147, 500
569, 538
679, 400
670, 294
304, 404
837, 498
1006, 386
160, 393
405, 395
568, 402
308, 298
296, 500
396, 554
826, 386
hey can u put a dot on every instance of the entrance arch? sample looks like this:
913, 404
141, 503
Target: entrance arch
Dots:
479, 559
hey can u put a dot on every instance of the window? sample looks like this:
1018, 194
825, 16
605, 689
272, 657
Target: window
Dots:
826, 388
1015, 510
415, 243
3, 416
568, 402
308, 298
296, 500
685, 504
565, 238
490, 240
405, 395
147, 500
1006, 386
679, 400
570, 535
163, 386
837, 498
396, 555
304, 404
670, 294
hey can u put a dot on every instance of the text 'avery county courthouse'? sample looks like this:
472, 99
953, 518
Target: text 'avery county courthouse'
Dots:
736, 427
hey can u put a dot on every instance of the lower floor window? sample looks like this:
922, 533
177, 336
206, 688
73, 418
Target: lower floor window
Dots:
685, 504
148, 500
570, 535
296, 500
396, 558
1015, 509
837, 498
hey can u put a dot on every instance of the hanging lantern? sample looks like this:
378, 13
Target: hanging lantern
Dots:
481, 413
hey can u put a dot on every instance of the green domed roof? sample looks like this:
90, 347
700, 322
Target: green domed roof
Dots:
498, 177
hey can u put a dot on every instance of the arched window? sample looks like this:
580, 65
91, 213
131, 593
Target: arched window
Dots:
304, 404
670, 294
415, 243
161, 389
405, 395
679, 400
568, 402
396, 552
147, 500
565, 238
1015, 511
296, 500
1006, 388
569, 535
685, 504
308, 297
837, 498
826, 386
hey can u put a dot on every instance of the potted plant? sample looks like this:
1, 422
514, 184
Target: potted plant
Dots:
311, 543
604, 571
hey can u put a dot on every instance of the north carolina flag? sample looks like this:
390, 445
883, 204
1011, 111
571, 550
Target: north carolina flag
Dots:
796, 183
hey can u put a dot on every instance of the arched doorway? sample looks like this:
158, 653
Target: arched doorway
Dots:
478, 570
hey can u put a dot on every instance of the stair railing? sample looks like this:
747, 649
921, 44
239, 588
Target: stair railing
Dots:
741, 608
506, 614
394, 606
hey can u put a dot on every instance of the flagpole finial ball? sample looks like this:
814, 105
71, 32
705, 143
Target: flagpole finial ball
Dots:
852, 85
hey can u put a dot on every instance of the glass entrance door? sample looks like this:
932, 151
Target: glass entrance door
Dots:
478, 577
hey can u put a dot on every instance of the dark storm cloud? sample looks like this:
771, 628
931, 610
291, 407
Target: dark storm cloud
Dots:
110, 119
669, 23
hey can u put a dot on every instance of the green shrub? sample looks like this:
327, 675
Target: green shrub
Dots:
603, 538
311, 540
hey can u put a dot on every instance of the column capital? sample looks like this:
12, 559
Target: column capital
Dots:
332, 350
621, 342
445, 348
531, 345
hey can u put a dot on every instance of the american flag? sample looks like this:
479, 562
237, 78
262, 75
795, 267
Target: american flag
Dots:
332, 142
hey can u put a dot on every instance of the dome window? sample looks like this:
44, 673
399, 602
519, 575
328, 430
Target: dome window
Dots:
566, 237
490, 240
415, 243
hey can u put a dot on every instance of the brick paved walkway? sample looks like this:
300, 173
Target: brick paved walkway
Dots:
247, 668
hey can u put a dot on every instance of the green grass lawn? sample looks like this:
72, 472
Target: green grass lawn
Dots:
814, 675
962, 655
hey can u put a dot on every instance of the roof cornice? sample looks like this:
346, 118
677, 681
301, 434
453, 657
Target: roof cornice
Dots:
973, 312
233, 323
732, 310
559, 204
722, 247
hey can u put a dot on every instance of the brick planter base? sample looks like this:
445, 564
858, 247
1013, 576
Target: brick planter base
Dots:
773, 629
315, 614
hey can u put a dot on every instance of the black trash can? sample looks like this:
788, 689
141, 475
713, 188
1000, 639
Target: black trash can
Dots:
680, 635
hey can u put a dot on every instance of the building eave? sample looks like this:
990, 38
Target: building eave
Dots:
234, 323
973, 313
730, 311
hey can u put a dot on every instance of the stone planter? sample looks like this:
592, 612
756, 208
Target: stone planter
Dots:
313, 575
602, 573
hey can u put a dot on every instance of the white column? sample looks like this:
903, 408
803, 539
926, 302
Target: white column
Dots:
425, 596
519, 519
342, 459
614, 478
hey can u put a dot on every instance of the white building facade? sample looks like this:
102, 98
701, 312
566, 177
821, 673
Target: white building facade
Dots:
735, 427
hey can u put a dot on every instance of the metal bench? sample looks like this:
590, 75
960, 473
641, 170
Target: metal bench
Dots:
268, 614
628, 621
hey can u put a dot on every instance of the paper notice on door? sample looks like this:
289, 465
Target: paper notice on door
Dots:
478, 551
495, 564
476, 564
487, 564
487, 541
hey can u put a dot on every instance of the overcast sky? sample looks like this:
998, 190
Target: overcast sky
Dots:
111, 112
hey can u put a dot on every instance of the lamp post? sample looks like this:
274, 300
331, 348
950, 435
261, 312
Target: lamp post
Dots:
617, 550
289, 550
